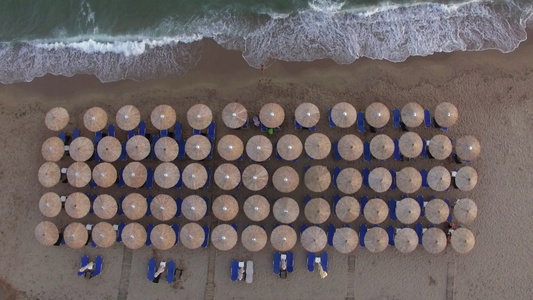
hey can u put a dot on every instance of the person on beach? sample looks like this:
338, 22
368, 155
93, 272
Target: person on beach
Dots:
262, 69
451, 229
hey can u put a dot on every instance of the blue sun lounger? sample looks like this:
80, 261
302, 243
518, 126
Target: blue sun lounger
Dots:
151, 269
364, 201
310, 261
98, 136
361, 122
176, 228
178, 203
120, 212
418, 230
424, 152
97, 267
153, 141
336, 153
331, 123
163, 133
427, 118
297, 125
111, 130
171, 270
276, 263
397, 154
331, 233
290, 262
148, 232
149, 199
84, 262
336, 172
206, 236
142, 128
450, 215
396, 118
121, 226
307, 198
149, 179
362, 233
234, 270
366, 173
206, 199
131, 133
366, 151
390, 232
392, 210
181, 150
336, 199
120, 178
63, 136
324, 261
393, 183
124, 153
303, 227
177, 131
420, 201
75, 133
211, 130
424, 175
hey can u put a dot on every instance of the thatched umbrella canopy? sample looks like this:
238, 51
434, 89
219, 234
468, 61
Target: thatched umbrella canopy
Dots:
95, 119
382, 146
463, 240
166, 175
163, 117
377, 115
440, 146
234, 115
230, 147
349, 180
317, 211
197, 147
193, 207
406, 240
46, 233
465, 210
255, 177
376, 239
307, 114
313, 239
343, 114
411, 144
50, 205
77, 205
163, 237
224, 237
199, 116
350, 147
439, 178
412, 114
105, 206
79, 174
317, 178
254, 238
408, 210
345, 240
134, 206
104, 175
259, 148
81, 149
376, 211
225, 208
446, 114
163, 207
272, 115
227, 176
192, 235
104, 235
317, 146
194, 176
53, 149
289, 147
466, 178
49, 174
56, 118
285, 179
138, 147
75, 235
134, 174
283, 238
434, 240
348, 209
468, 147
286, 210
128, 117
109, 149
408, 180
166, 149
380, 179
437, 211
256, 208
134, 236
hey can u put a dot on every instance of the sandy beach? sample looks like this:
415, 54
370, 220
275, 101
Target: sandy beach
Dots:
492, 91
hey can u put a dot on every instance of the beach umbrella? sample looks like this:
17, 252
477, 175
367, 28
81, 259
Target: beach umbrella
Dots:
128, 117
230, 147
465, 211
380, 179
255, 177
411, 144
76, 235
234, 115
345, 240
46, 233
163, 117
285, 179
77, 205
317, 146
192, 235
317, 178
225, 208
227, 176
381, 146
349, 180
317, 211
466, 178
283, 238
434, 240
343, 114
163, 207
289, 147
95, 119
81, 149
286, 210
256, 208
271, 115
134, 206
50, 205
79, 174
166, 149
49, 174
446, 114
307, 114
104, 175
439, 178
53, 149
347, 209
350, 147
437, 211
224, 237
406, 240
167, 175
194, 176
104, 235
314, 239
377, 115
463, 240
134, 236
412, 114
56, 118
138, 147
376, 239
440, 147
163, 237
197, 147
259, 148
407, 210
199, 116
134, 174
105, 206
408, 180
193, 207
254, 238
468, 147
109, 149
376, 211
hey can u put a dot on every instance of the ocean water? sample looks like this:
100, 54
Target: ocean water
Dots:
139, 40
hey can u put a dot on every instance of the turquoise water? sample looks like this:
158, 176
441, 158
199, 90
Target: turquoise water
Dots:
142, 40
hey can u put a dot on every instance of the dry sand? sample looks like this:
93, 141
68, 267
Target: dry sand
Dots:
491, 90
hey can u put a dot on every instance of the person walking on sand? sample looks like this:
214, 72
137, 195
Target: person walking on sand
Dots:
263, 69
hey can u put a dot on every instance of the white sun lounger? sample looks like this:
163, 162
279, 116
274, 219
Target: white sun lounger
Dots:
249, 271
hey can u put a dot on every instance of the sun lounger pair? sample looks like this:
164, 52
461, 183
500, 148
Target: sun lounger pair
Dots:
170, 268
278, 258
97, 266
312, 259
297, 126
248, 270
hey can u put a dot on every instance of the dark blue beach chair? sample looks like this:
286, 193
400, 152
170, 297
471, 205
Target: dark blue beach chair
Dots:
163, 133
364, 201
84, 262
331, 232
111, 130
153, 141
418, 230
450, 215
336, 172
366, 174
178, 211
171, 271
234, 270
121, 182
331, 123
427, 118
131, 133
297, 125
121, 226
149, 178
361, 122
98, 136
397, 154
424, 175
97, 267
148, 232
75, 133
393, 183
336, 199
420, 201
362, 233
276, 263
208, 181
149, 199
392, 210
63, 136
336, 153
390, 232
310, 261
396, 118
366, 151
151, 269
290, 262
324, 261
177, 131
211, 130
124, 153
424, 152
142, 128
206, 236
181, 151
